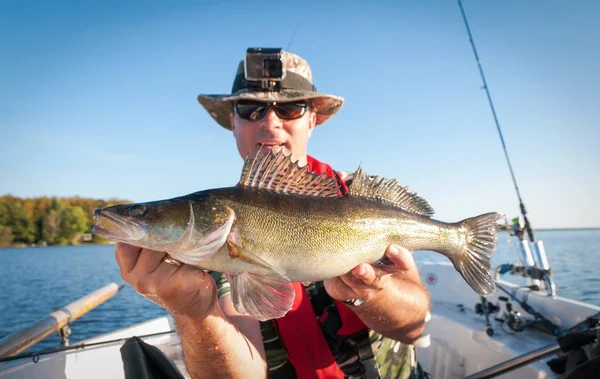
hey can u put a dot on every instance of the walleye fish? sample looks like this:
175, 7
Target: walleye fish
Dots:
284, 224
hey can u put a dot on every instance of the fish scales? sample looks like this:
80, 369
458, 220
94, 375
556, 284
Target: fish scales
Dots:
299, 233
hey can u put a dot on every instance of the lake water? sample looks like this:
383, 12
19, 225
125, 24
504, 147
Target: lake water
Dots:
37, 281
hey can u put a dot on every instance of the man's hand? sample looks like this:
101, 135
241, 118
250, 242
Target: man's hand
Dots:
395, 300
182, 290
214, 347
365, 280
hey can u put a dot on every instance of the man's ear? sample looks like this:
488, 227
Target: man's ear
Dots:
312, 123
231, 118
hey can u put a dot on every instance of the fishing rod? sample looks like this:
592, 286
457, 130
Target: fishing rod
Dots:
489, 97
35, 356
292, 37
584, 333
526, 255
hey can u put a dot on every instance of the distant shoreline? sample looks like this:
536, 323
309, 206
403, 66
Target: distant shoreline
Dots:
25, 246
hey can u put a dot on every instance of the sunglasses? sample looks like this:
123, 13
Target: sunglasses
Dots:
256, 110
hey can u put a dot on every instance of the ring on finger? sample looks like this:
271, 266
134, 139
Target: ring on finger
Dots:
172, 261
355, 302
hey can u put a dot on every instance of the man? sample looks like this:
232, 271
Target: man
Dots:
366, 318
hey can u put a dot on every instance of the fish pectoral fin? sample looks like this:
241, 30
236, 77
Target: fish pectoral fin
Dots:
193, 249
261, 297
236, 252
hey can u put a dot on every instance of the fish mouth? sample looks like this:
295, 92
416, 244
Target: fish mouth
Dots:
115, 228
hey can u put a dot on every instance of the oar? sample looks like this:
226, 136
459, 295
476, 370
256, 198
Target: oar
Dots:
566, 343
21, 340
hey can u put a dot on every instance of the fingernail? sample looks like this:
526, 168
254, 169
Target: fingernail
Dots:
394, 249
360, 271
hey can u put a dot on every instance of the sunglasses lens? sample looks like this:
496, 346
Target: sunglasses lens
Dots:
291, 111
252, 111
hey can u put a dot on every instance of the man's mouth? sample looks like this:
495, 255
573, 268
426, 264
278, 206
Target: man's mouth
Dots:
271, 145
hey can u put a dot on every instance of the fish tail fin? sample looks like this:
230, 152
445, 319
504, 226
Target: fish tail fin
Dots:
473, 260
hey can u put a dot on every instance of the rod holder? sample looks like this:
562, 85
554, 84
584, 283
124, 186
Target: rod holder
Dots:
540, 255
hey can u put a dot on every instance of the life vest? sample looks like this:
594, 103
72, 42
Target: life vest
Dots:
312, 329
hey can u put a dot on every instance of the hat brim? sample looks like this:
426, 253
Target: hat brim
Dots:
219, 107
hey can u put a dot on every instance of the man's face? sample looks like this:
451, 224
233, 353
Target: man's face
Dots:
273, 133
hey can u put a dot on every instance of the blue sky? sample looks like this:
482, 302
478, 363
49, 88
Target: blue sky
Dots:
98, 99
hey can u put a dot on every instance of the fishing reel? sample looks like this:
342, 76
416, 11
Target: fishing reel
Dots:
486, 308
537, 270
511, 317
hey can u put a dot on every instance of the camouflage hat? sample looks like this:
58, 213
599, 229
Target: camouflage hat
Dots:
298, 87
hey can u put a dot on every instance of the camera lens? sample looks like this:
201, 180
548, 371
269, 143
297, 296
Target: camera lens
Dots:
273, 68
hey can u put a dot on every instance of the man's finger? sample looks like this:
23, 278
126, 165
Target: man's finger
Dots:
337, 289
148, 261
126, 256
401, 257
366, 274
165, 270
403, 261
335, 286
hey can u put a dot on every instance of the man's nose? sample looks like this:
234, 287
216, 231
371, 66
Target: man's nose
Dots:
271, 120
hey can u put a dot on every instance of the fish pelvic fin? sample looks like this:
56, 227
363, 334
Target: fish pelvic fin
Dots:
388, 191
474, 261
276, 172
266, 294
261, 297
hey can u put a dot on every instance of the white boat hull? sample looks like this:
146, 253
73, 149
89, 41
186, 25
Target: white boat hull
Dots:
102, 361
455, 343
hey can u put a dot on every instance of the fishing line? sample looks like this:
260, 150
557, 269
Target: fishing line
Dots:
35, 356
489, 97
292, 37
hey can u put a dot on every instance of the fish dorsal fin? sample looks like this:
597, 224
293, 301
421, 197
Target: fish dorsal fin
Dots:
276, 172
388, 191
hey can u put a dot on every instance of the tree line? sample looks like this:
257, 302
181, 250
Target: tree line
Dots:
48, 220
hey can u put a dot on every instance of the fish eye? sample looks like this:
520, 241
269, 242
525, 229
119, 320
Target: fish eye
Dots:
137, 210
